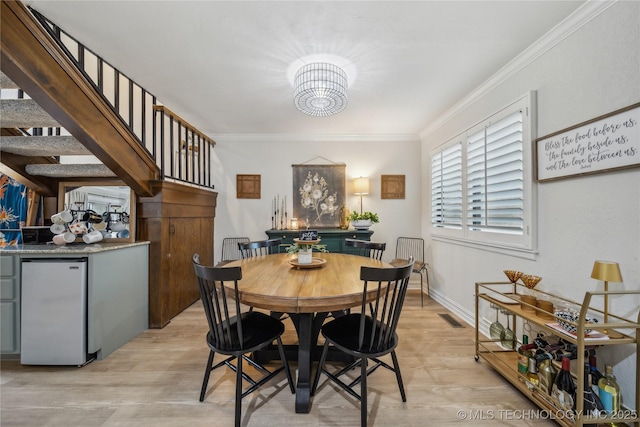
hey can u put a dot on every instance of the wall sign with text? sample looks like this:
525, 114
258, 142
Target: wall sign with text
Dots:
606, 143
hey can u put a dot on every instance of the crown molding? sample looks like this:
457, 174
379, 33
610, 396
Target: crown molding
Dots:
580, 17
287, 137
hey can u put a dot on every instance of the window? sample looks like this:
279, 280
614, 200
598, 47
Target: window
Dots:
481, 181
446, 187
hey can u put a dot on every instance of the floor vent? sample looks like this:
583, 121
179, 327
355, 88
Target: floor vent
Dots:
450, 320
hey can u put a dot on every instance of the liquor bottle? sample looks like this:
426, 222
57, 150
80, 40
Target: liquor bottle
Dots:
547, 372
609, 391
532, 374
591, 402
595, 373
525, 351
563, 392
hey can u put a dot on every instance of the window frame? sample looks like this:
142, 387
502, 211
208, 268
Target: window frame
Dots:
525, 242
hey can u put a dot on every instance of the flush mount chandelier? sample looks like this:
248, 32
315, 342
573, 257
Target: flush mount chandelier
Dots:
320, 89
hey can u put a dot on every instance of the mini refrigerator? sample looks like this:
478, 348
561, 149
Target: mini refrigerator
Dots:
54, 311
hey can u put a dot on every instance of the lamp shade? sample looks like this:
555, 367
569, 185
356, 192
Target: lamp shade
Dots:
320, 89
606, 271
360, 186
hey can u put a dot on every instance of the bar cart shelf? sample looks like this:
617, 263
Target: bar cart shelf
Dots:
506, 296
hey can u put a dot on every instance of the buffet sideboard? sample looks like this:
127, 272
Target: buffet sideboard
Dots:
332, 237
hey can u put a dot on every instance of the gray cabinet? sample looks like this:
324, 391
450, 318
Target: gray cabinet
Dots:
117, 294
10, 304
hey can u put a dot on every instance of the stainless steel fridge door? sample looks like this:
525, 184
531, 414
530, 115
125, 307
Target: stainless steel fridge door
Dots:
54, 312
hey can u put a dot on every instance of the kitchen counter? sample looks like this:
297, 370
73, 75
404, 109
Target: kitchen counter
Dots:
70, 249
117, 292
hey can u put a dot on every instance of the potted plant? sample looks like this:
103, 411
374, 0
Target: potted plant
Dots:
362, 221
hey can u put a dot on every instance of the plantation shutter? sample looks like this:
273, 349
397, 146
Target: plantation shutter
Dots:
446, 187
495, 192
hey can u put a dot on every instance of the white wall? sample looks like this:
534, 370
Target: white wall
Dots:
595, 70
273, 161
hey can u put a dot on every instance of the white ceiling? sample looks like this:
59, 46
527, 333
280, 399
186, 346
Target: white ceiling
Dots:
225, 66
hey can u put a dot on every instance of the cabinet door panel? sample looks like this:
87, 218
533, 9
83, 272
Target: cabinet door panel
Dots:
9, 342
184, 237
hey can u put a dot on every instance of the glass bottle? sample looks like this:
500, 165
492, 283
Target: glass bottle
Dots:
609, 391
532, 374
563, 392
595, 373
525, 351
591, 402
547, 372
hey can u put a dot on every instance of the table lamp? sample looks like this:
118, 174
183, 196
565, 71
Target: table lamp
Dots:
360, 188
606, 271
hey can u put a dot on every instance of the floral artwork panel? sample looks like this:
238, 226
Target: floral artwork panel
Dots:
318, 194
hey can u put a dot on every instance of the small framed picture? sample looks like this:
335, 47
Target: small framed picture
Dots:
392, 187
248, 186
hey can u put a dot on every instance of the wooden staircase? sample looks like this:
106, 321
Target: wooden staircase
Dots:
176, 219
60, 96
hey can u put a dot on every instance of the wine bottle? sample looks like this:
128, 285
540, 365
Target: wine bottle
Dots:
595, 373
547, 372
591, 402
532, 374
609, 391
525, 351
563, 392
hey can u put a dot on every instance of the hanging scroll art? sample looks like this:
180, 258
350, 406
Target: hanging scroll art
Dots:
606, 143
318, 194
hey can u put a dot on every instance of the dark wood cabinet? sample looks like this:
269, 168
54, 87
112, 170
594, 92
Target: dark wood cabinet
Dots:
178, 221
332, 237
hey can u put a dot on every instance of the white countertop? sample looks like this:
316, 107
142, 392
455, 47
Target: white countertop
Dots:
72, 248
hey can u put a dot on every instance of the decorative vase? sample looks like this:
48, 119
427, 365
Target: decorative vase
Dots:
344, 217
304, 256
361, 224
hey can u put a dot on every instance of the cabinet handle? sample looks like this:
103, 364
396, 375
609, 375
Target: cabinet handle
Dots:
173, 229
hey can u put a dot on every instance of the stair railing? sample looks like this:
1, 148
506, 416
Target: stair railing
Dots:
181, 151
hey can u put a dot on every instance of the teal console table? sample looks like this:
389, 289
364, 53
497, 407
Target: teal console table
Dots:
332, 237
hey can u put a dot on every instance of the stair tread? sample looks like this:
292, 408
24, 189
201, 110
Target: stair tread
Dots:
70, 170
59, 145
24, 113
6, 82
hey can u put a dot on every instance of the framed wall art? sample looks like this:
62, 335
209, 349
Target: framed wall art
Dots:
392, 186
318, 194
605, 143
248, 186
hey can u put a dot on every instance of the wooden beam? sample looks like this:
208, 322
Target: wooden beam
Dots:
31, 59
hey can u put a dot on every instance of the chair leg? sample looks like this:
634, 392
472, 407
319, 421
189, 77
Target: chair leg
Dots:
426, 277
363, 392
421, 291
285, 365
396, 368
238, 415
207, 372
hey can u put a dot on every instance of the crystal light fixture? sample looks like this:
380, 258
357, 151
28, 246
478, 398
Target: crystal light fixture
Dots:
320, 89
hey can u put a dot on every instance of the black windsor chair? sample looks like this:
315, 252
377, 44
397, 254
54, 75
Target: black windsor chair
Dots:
365, 336
235, 335
260, 247
372, 250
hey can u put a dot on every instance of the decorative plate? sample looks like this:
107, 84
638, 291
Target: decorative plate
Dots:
315, 263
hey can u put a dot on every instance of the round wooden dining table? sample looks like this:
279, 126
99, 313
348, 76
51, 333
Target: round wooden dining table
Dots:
308, 295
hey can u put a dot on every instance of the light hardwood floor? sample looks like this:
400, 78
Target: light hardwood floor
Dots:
155, 379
